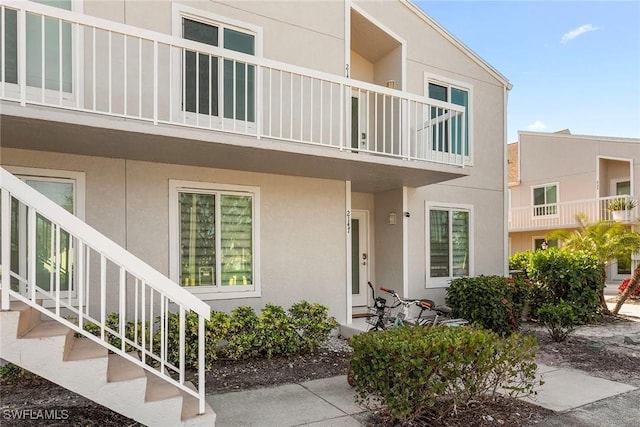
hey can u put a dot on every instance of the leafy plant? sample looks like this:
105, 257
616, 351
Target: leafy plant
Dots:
313, 324
493, 302
574, 277
411, 372
621, 204
559, 319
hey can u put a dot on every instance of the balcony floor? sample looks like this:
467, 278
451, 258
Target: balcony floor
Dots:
66, 131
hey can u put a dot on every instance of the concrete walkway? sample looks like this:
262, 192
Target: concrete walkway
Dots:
579, 399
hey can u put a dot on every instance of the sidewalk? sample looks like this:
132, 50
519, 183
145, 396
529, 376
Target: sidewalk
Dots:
579, 399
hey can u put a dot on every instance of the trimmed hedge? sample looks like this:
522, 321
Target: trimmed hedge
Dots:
493, 302
415, 372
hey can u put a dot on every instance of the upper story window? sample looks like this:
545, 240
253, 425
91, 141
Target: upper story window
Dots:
213, 248
545, 200
451, 134
449, 240
48, 49
212, 85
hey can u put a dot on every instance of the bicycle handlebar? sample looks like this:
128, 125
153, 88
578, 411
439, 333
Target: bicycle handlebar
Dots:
389, 291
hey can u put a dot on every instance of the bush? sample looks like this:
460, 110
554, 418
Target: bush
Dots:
242, 335
313, 324
414, 372
574, 277
559, 319
623, 287
493, 302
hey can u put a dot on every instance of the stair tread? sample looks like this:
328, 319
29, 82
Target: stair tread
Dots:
85, 348
47, 328
159, 389
121, 369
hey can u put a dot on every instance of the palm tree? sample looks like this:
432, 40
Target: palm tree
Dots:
606, 240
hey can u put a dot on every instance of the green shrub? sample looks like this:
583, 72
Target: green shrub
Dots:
520, 262
216, 330
415, 372
113, 323
493, 302
559, 319
276, 332
313, 324
574, 277
243, 335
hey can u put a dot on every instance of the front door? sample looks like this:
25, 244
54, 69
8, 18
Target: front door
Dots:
359, 257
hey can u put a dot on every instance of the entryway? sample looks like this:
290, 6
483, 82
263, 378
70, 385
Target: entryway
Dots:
359, 260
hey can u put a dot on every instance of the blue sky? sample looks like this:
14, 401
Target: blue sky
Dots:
573, 65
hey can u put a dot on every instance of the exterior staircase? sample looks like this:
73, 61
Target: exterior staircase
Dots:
51, 350
42, 325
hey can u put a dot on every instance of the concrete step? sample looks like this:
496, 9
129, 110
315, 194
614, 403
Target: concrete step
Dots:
46, 329
85, 348
158, 389
121, 369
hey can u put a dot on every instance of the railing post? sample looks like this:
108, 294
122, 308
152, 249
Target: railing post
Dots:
22, 55
404, 129
258, 107
6, 248
343, 117
201, 364
155, 82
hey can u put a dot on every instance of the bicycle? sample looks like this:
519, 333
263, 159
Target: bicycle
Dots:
382, 316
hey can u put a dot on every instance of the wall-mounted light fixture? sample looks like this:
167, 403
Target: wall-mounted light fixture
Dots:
391, 84
392, 218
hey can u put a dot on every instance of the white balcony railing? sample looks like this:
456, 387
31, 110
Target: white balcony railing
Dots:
57, 58
80, 276
563, 215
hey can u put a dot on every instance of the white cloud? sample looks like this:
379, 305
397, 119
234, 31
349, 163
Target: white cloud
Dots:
568, 36
537, 126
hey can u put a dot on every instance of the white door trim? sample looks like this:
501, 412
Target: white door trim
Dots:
365, 244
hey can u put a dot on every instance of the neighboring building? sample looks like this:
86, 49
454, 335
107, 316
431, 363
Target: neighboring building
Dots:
252, 152
555, 176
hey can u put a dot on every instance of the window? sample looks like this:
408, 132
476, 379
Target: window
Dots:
545, 200
450, 134
538, 242
67, 190
448, 242
214, 231
53, 47
202, 86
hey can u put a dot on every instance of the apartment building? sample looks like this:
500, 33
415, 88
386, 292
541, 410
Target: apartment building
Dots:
555, 176
200, 155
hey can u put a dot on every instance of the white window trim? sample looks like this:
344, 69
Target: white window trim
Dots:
445, 81
78, 177
443, 282
211, 292
533, 205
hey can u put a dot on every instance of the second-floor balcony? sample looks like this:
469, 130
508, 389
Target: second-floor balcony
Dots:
564, 215
52, 58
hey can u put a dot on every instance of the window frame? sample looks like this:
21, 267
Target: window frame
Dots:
180, 12
458, 84
34, 93
443, 282
217, 291
556, 204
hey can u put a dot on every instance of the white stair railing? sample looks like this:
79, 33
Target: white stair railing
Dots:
63, 267
103, 67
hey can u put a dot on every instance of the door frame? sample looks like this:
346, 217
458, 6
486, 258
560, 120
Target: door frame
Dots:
363, 217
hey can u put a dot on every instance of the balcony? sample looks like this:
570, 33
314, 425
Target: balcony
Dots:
563, 215
101, 72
